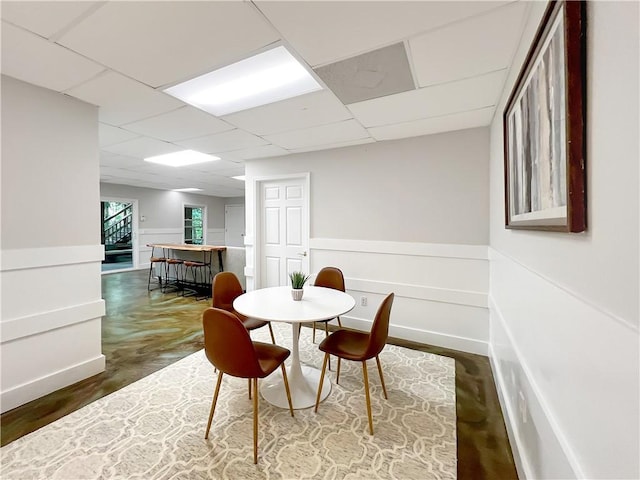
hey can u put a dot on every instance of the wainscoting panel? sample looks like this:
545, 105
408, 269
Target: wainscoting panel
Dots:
155, 235
441, 290
215, 236
50, 298
34, 290
566, 372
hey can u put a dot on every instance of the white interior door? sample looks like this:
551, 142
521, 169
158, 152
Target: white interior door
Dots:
234, 225
284, 230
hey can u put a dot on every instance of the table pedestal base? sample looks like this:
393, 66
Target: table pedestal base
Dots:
303, 383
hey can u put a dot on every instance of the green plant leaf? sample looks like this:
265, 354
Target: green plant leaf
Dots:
298, 279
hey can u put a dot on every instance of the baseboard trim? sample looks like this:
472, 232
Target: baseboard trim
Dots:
522, 463
39, 387
426, 337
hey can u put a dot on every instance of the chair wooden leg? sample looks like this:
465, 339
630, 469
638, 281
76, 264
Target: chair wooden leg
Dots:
255, 422
366, 392
273, 339
213, 404
249, 382
338, 372
313, 339
326, 334
324, 369
286, 388
384, 388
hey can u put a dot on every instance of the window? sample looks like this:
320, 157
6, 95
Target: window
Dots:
193, 225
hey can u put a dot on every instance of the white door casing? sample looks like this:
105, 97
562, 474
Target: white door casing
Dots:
282, 230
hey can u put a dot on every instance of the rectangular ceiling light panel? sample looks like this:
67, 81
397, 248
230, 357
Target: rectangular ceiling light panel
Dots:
265, 78
182, 158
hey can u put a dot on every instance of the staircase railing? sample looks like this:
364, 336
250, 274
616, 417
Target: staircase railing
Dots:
118, 227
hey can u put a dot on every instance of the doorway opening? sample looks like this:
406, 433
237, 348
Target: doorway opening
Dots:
117, 233
281, 226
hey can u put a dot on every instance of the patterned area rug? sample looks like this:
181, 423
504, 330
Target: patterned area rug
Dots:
154, 428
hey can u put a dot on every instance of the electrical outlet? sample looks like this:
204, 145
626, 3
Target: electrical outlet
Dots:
522, 406
363, 301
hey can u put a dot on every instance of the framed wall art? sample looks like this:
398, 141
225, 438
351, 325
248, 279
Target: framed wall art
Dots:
544, 127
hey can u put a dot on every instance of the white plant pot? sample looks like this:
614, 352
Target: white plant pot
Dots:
296, 294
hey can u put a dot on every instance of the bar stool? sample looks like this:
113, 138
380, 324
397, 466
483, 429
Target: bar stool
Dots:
173, 281
152, 262
197, 269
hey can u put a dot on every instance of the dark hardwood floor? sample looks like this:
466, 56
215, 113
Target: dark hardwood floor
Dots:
144, 332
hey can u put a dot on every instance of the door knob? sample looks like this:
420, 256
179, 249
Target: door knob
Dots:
303, 254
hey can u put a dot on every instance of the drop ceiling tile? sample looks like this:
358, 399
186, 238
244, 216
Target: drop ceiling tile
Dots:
223, 142
454, 97
260, 152
329, 146
56, 67
45, 18
322, 135
428, 126
309, 110
108, 135
122, 100
324, 32
183, 123
114, 171
212, 167
168, 42
465, 49
142, 147
138, 175
232, 172
109, 159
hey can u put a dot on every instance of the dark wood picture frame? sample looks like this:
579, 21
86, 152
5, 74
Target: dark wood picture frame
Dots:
544, 124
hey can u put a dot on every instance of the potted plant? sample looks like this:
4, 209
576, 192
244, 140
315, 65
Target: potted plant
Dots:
298, 279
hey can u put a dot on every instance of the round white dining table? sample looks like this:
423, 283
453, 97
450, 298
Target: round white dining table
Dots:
275, 304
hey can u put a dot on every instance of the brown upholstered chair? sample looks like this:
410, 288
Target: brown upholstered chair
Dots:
329, 277
359, 347
229, 348
225, 289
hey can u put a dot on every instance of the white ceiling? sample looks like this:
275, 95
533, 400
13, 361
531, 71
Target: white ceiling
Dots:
120, 55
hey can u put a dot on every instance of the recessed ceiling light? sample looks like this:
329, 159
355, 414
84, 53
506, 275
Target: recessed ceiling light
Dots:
239, 177
190, 189
182, 158
265, 78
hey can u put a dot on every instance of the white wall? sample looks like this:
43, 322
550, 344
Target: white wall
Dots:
163, 212
409, 216
50, 272
564, 307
